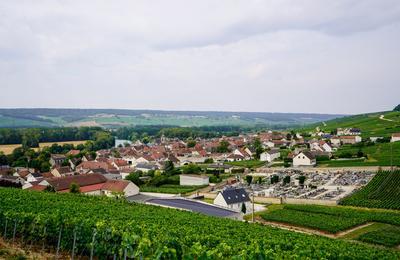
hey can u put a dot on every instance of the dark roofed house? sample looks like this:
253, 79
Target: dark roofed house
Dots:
236, 199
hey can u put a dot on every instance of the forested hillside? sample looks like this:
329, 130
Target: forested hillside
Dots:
114, 118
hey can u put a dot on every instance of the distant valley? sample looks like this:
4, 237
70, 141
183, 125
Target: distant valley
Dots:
115, 118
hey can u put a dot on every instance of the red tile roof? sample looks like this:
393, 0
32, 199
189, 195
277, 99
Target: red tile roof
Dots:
115, 185
63, 183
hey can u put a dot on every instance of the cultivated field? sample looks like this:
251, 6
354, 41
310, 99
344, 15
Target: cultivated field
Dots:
9, 148
115, 229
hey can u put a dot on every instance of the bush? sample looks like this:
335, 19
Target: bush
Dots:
209, 160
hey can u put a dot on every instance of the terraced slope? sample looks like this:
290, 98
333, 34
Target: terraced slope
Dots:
370, 124
383, 191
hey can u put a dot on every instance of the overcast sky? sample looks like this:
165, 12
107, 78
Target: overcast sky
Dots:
319, 56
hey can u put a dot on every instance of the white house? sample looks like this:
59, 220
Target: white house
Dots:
395, 137
193, 180
335, 141
268, 144
304, 159
327, 147
269, 156
126, 188
234, 199
350, 139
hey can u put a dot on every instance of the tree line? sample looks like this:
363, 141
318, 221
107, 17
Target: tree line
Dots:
31, 137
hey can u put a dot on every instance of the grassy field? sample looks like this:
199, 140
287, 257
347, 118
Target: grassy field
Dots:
170, 188
247, 164
370, 124
9, 148
379, 154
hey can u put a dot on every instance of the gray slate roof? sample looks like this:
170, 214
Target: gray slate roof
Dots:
233, 196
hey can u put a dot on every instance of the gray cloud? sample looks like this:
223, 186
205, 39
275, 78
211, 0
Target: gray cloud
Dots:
287, 56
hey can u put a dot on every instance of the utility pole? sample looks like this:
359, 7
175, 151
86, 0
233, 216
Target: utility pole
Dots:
252, 214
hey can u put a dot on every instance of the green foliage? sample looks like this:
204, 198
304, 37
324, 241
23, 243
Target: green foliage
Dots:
209, 160
397, 108
74, 188
382, 191
274, 179
243, 209
223, 147
330, 219
286, 180
191, 169
387, 236
302, 179
135, 177
30, 138
249, 179
258, 148
3, 159
191, 143
247, 164
170, 188
370, 124
150, 232
169, 166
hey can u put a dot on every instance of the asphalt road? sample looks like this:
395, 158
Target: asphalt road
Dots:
193, 206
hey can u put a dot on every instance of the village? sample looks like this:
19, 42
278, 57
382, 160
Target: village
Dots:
272, 167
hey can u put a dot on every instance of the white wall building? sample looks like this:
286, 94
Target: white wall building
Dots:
234, 199
395, 137
193, 180
269, 156
304, 159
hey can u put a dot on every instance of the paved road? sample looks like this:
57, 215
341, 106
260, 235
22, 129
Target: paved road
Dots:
193, 206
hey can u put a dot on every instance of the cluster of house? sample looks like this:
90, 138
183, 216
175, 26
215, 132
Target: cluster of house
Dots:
117, 163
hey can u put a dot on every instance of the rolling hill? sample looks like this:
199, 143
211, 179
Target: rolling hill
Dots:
113, 118
374, 124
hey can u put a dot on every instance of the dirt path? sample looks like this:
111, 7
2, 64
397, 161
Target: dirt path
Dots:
17, 251
310, 231
382, 117
348, 231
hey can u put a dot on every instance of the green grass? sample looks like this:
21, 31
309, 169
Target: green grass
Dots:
329, 219
370, 124
386, 236
379, 154
247, 164
358, 232
19, 122
383, 191
170, 188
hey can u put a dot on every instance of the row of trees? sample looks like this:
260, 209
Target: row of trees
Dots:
27, 157
146, 132
31, 137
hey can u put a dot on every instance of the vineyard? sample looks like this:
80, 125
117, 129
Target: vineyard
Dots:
388, 236
383, 191
98, 226
329, 219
